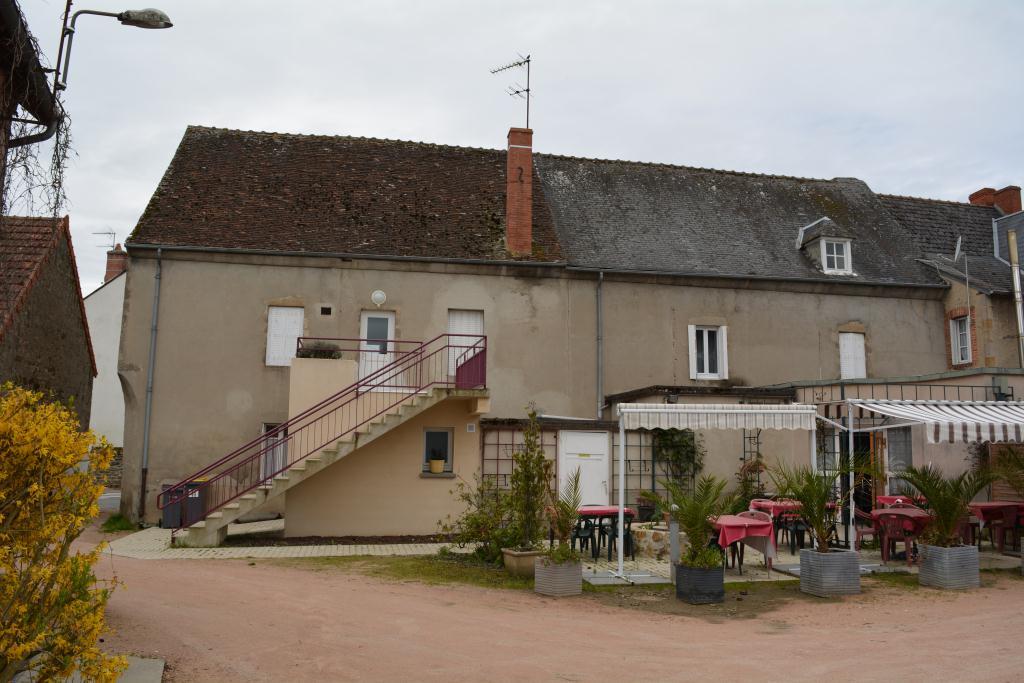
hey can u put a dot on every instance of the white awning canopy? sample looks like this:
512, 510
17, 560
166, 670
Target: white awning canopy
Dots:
955, 421
716, 416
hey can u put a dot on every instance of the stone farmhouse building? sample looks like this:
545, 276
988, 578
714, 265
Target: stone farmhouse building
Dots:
460, 285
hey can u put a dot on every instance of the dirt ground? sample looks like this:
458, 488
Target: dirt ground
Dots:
235, 620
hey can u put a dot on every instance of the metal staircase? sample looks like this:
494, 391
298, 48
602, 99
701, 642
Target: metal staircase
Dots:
448, 366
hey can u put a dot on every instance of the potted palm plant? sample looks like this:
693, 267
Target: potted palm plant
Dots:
945, 561
529, 491
700, 575
559, 571
824, 571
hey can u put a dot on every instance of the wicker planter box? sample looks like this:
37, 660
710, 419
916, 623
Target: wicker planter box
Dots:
700, 586
829, 574
955, 567
520, 562
557, 580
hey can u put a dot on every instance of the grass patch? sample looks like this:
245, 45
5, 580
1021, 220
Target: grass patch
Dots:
903, 580
430, 569
118, 522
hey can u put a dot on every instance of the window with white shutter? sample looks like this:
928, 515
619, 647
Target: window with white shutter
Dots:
708, 352
284, 327
852, 362
960, 340
466, 327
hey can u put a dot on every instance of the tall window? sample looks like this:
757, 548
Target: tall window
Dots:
900, 457
852, 360
835, 255
708, 352
284, 327
960, 340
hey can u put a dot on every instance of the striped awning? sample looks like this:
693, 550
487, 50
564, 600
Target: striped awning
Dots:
715, 416
955, 421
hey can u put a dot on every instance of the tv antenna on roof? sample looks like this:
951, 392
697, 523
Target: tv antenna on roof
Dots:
516, 90
111, 235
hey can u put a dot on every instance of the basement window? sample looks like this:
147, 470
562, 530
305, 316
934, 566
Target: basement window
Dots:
835, 257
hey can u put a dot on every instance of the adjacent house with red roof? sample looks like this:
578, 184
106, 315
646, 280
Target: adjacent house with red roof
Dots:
44, 334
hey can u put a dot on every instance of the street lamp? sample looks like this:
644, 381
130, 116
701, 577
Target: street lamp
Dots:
140, 18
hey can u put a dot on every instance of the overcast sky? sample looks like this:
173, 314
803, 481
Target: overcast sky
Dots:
919, 98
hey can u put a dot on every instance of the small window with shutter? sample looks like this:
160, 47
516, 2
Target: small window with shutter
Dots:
852, 361
284, 327
708, 352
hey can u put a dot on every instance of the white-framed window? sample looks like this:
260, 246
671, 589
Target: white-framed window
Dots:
437, 442
852, 358
284, 327
960, 340
465, 327
836, 257
899, 456
708, 352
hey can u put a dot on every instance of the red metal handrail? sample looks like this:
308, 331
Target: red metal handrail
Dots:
257, 462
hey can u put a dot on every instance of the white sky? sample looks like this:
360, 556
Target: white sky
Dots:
920, 98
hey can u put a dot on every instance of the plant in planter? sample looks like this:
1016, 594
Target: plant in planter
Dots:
559, 572
437, 461
824, 571
700, 576
945, 561
529, 486
320, 350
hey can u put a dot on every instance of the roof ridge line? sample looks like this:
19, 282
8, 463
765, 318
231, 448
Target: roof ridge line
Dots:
341, 137
929, 199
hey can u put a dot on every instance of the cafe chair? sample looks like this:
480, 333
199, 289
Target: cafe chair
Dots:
612, 536
1003, 522
894, 529
794, 529
584, 533
864, 527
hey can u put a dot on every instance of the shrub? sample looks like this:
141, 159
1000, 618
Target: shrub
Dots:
563, 514
485, 522
320, 350
50, 601
530, 484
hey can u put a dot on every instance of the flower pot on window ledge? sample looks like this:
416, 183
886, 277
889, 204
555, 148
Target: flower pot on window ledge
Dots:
436, 466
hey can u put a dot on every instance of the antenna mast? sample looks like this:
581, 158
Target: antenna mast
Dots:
516, 90
110, 234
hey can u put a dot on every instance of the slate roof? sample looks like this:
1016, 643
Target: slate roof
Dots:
935, 225
675, 219
333, 194
26, 245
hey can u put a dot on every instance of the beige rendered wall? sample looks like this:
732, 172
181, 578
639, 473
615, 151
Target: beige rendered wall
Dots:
379, 490
212, 390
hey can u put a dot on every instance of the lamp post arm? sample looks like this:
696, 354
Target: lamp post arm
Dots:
61, 79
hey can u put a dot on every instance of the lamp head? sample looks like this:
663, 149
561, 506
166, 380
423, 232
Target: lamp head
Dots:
145, 18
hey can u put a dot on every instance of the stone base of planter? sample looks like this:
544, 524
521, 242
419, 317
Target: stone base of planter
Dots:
829, 574
949, 567
700, 586
520, 562
557, 580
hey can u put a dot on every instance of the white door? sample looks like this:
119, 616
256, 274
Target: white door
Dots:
377, 349
851, 356
284, 327
275, 452
589, 452
463, 322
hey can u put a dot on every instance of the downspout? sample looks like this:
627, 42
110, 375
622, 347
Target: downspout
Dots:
149, 386
1011, 241
600, 345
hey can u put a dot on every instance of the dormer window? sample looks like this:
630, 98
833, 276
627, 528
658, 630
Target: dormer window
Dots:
835, 256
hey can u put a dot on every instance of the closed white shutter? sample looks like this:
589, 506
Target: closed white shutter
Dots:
466, 327
852, 363
723, 351
284, 327
691, 333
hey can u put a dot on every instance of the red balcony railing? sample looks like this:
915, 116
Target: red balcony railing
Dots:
390, 373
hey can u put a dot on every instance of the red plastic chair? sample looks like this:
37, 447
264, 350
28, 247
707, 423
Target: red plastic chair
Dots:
865, 527
1005, 523
895, 528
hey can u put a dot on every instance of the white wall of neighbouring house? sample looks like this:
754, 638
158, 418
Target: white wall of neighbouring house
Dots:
103, 308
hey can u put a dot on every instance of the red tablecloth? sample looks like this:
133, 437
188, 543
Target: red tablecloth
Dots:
986, 512
916, 519
904, 500
604, 511
774, 507
754, 532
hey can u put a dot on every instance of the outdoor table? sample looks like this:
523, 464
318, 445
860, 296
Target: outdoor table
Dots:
603, 512
756, 533
900, 500
987, 511
917, 518
775, 507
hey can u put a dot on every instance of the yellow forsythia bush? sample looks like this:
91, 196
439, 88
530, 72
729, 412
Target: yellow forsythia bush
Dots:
51, 604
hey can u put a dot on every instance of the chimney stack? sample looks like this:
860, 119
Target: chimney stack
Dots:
117, 263
1006, 200
519, 192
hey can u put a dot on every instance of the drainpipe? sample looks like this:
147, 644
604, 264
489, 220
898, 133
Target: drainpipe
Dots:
1011, 240
600, 345
149, 387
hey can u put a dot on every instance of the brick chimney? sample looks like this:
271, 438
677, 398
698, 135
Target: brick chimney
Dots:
1006, 200
519, 192
117, 263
